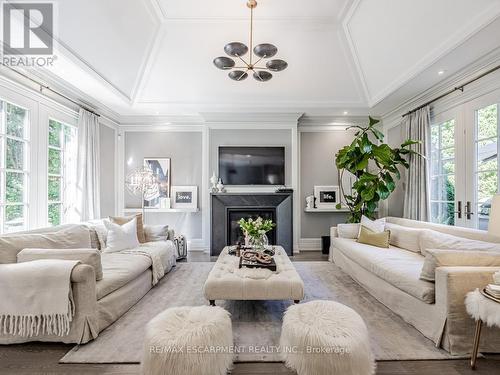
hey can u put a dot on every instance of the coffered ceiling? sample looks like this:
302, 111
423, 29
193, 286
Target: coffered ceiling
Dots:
154, 57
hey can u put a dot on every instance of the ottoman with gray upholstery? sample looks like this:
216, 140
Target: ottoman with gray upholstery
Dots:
189, 341
326, 338
227, 281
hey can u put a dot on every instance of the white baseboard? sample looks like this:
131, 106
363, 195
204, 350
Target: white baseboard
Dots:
196, 245
310, 244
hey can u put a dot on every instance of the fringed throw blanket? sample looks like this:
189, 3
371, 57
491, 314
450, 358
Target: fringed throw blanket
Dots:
36, 298
154, 251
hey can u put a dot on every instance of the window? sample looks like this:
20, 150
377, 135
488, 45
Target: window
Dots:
62, 159
486, 150
443, 172
14, 143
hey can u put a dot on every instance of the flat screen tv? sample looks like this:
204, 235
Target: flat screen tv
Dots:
252, 165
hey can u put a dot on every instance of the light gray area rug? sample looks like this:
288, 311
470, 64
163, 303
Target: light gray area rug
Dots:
256, 324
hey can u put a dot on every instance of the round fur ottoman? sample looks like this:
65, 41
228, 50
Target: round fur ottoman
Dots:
188, 341
326, 338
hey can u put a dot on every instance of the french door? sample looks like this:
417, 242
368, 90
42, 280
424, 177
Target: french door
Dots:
464, 162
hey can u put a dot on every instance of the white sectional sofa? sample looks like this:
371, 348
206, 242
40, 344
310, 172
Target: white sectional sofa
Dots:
126, 279
437, 308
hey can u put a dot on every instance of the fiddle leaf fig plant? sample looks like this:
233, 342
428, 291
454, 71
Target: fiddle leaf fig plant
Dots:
375, 167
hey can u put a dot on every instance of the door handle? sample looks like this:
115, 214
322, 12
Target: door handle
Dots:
468, 211
459, 212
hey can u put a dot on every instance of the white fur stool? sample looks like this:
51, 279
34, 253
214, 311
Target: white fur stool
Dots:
326, 338
189, 341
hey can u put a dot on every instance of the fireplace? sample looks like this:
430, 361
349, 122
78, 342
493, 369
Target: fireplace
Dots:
228, 208
234, 232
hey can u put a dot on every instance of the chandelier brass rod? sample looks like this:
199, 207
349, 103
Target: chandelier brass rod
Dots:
251, 34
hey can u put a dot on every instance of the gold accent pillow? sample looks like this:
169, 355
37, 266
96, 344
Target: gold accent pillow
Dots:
125, 219
369, 237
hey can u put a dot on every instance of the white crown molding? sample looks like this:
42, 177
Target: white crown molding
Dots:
151, 120
162, 128
215, 119
461, 35
486, 84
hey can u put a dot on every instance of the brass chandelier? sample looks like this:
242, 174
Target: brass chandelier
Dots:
261, 51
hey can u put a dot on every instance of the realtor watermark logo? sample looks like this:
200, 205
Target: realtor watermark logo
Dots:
28, 30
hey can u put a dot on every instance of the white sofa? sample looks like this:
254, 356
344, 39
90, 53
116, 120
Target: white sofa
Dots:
437, 309
126, 279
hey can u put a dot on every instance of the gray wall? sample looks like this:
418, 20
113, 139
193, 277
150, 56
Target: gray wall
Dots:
317, 167
248, 137
107, 175
396, 136
185, 151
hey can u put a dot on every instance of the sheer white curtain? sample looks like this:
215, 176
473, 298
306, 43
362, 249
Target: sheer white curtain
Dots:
88, 187
417, 199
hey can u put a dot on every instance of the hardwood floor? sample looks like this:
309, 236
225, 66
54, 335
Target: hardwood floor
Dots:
42, 358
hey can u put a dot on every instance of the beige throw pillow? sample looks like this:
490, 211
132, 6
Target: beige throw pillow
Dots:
430, 239
405, 237
369, 237
92, 257
155, 233
140, 224
440, 258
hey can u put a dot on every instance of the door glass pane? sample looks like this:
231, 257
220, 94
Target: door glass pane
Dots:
16, 118
14, 220
55, 213
15, 154
55, 133
486, 162
442, 166
54, 189
14, 187
54, 161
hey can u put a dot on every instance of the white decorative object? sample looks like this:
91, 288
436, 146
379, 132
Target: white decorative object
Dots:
213, 181
121, 237
328, 338
310, 201
327, 197
220, 186
185, 197
187, 329
165, 203
161, 169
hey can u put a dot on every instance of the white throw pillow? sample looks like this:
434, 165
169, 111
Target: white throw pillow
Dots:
376, 226
350, 231
121, 237
431, 239
405, 237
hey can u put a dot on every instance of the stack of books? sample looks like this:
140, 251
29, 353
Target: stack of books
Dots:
493, 290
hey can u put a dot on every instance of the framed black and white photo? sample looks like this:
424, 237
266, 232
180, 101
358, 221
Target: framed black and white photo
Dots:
327, 197
161, 168
185, 197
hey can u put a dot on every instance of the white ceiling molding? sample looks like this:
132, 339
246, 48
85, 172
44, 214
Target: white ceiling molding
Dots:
485, 85
376, 95
224, 118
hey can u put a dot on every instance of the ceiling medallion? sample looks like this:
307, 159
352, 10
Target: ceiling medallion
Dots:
261, 51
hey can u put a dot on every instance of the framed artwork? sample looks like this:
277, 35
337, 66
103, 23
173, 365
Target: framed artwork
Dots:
160, 167
327, 197
185, 197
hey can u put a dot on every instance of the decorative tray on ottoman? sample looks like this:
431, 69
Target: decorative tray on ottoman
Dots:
252, 259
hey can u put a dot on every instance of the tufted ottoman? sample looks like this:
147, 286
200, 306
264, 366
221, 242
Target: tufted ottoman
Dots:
326, 338
188, 341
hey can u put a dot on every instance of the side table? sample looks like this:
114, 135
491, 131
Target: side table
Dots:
483, 310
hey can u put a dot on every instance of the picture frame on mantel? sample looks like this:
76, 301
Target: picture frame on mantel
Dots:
161, 168
327, 197
184, 197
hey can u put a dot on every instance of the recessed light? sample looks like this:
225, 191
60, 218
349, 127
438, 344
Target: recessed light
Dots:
346, 113
441, 72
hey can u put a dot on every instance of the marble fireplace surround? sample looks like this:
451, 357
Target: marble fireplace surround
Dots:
223, 203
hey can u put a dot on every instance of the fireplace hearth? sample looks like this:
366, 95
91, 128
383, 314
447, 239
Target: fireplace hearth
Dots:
228, 208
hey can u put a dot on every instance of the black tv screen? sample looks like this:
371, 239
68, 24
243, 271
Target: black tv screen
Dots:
252, 165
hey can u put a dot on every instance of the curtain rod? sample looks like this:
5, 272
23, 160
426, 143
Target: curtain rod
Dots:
458, 88
45, 87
